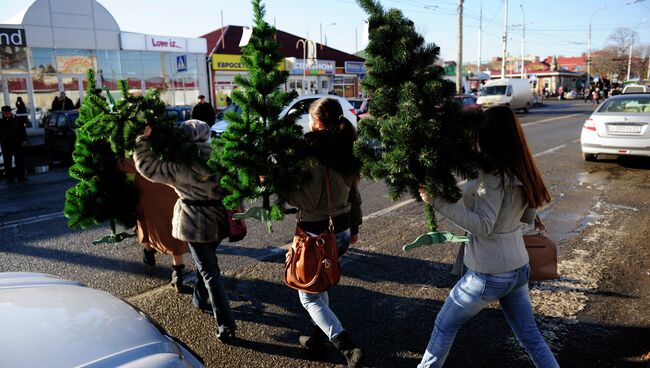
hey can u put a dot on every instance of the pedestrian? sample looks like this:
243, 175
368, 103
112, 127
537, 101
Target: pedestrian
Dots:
21, 111
587, 94
154, 223
595, 97
508, 184
62, 103
199, 216
329, 155
13, 138
203, 111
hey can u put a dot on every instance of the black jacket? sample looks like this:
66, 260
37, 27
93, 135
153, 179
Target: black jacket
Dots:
204, 112
12, 133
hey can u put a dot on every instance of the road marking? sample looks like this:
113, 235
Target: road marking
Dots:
31, 220
551, 150
550, 119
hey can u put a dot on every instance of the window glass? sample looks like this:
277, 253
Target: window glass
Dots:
61, 121
131, 64
42, 61
13, 59
75, 61
155, 63
109, 69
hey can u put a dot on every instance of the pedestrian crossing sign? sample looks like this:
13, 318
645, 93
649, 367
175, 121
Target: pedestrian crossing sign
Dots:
181, 63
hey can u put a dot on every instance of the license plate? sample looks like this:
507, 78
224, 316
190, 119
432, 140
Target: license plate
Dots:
625, 129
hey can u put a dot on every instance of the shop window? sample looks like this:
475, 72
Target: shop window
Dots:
155, 63
13, 59
42, 61
74, 61
345, 86
131, 64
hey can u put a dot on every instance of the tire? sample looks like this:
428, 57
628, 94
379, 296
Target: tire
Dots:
591, 157
527, 108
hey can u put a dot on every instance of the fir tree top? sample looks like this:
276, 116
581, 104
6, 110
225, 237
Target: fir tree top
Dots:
422, 133
258, 143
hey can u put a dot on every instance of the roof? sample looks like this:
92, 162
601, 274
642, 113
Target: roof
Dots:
226, 41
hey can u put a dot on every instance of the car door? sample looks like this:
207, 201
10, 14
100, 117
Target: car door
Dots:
302, 108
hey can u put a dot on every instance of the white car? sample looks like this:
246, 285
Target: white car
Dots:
301, 104
620, 126
51, 322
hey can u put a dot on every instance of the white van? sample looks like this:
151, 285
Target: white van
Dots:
512, 92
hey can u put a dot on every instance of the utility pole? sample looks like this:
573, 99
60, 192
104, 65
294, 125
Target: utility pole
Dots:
523, 44
589, 46
459, 66
505, 42
356, 39
480, 34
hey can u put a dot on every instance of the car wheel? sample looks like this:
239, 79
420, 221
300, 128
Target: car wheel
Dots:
589, 157
527, 108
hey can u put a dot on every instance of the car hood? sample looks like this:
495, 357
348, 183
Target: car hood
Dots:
220, 126
49, 322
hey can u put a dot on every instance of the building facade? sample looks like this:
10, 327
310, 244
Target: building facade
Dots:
312, 67
55, 42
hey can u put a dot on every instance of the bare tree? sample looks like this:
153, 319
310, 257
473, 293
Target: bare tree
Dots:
609, 63
621, 39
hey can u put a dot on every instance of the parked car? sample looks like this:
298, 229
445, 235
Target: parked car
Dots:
180, 113
468, 102
299, 105
512, 92
52, 322
619, 127
635, 88
60, 133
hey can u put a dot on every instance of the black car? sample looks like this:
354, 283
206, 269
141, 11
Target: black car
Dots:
180, 113
60, 133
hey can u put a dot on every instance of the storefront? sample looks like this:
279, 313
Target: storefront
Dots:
53, 47
320, 69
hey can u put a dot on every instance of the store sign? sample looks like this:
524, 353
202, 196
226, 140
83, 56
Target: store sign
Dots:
12, 37
355, 67
227, 62
160, 43
181, 63
312, 67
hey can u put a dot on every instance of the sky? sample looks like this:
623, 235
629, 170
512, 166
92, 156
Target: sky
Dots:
553, 27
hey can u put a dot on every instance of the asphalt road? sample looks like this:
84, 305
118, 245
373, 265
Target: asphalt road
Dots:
387, 299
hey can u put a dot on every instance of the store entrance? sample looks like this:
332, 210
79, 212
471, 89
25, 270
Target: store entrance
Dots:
73, 85
18, 86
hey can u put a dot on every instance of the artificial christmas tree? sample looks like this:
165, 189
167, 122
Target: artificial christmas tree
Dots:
259, 153
423, 136
106, 133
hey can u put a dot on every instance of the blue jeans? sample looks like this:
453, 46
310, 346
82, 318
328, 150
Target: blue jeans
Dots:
205, 257
471, 294
317, 305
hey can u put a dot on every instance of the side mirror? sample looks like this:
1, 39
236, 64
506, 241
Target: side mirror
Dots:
509, 93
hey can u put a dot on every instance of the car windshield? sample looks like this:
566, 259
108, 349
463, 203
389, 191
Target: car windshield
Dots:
627, 105
493, 90
73, 119
222, 114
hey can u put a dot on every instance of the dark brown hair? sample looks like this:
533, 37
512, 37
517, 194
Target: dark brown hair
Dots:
330, 114
504, 150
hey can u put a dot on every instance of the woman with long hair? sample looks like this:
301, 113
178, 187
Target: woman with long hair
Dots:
508, 184
329, 157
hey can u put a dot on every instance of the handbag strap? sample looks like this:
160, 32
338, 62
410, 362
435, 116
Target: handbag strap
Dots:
539, 225
329, 206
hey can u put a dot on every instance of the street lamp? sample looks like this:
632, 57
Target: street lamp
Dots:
629, 59
523, 42
305, 44
321, 32
589, 52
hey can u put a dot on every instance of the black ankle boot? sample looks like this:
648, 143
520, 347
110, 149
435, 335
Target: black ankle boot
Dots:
352, 354
177, 277
316, 341
149, 257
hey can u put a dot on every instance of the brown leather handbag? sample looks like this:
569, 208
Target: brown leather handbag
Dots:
312, 262
542, 253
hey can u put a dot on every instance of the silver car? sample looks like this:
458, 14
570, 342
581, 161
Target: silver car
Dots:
618, 127
51, 322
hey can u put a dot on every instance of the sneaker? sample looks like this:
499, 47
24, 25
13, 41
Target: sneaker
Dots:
226, 335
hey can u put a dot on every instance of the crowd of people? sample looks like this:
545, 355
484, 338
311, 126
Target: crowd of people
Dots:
180, 210
494, 205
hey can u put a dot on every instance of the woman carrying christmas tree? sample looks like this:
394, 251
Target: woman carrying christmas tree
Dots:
154, 222
330, 148
496, 259
199, 216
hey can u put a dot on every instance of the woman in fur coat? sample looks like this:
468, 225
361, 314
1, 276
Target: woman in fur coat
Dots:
199, 216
